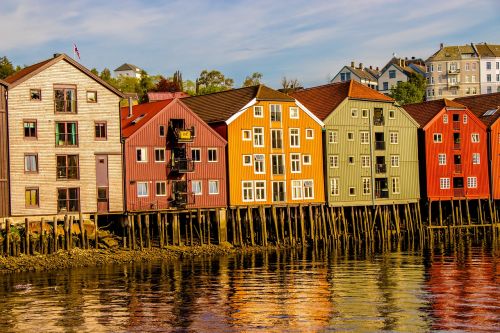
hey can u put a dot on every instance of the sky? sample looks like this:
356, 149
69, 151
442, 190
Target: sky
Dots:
308, 40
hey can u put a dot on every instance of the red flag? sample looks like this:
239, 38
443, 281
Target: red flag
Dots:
75, 51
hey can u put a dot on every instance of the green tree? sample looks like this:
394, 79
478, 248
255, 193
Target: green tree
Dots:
212, 81
253, 80
94, 71
6, 68
189, 87
177, 79
106, 75
412, 91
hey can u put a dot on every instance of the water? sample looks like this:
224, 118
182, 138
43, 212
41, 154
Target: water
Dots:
454, 288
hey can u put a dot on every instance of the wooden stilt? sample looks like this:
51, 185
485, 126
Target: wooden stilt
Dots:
238, 222
165, 224
275, 223
71, 221
295, 224
323, 220
263, 228
139, 229
440, 214
289, 219
302, 226
282, 224
481, 218
311, 223
250, 224
96, 234
148, 232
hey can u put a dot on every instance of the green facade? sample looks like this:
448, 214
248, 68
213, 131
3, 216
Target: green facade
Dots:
368, 167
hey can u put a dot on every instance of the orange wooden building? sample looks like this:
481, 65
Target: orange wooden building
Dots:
274, 145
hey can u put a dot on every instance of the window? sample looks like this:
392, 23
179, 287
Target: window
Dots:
392, 74
385, 85
365, 161
345, 76
465, 119
260, 191
366, 186
393, 138
445, 119
350, 160
296, 189
350, 136
364, 138
247, 160
100, 130
142, 189
333, 137
395, 185
475, 137
161, 189
275, 112
306, 159
30, 129
258, 137
442, 159
471, 182
65, 99
473, 78
91, 96
392, 114
278, 164
488, 77
364, 113
31, 197
66, 134
196, 187
333, 161
395, 161
295, 163
258, 111
246, 135
352, 191
476, 158
309, 134
279, 191
277, 138
444, 183
212, 155
308, 189
488, 90
474, 66
259, 164
440, 68
438, 137
31, 163
247, 191
141, 154
196, 154
36, 94
294, 112
68, 199
159, 154
294, 137
467, 66
162, 130
67, 167
488, 65
213, 187
334, 186
354, 113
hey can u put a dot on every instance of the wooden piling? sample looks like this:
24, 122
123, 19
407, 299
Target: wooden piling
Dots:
238, 222
148, 231
250, 224
289, 218
275, 223
96, 233
139, 229
7, 237
311, 223
481, 219
71, 221
200, 225
54, 234
302, 225
263, 227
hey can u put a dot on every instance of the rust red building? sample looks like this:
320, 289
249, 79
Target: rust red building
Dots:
172, 159
452, 151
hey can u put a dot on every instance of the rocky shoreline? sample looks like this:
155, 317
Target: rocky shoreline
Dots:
78, 258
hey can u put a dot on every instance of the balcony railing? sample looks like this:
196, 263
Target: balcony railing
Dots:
454, 71
66, 139
180, 199
184, 135
456, 146
458, 168
456, 125
378, 120
382, 194
458, 192
453, 84
65, 106
380, 168
379, 145
182, 165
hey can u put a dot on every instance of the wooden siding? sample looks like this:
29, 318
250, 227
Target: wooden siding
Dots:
148, 137
495, 159
434, 171
106, 109
238, 173
4, 156
351, 175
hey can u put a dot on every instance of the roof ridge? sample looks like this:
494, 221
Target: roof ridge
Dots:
222, 91
321, 86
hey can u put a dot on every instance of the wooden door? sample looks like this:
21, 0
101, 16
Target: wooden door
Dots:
102, 182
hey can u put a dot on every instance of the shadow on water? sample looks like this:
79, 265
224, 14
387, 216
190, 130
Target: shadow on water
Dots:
359, 289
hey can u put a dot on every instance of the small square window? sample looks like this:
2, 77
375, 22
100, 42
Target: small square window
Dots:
392, 114
247, 160
212, 154
364, 113
438, 137
309, 133
142, 189
352, 191
306, 159
161, 189
246, 135
350, 136
36, 94
350, 159
159, 154
354, 113
91, 96
142, 155
294, 112
258, 111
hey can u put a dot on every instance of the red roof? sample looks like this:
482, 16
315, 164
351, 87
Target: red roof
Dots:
322, 100
141, 114
163, 95
26, 71
480, 104
424, 112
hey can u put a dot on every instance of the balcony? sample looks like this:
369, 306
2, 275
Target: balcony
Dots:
66, 139
382, 194
180, 195
378, 120
379, 145
456, 125
458, 192
453, 71
458, 168
182, 165
453, 84
380, 168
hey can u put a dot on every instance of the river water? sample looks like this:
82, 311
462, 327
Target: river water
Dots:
454, 288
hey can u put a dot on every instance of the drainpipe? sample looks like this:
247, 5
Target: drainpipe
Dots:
490, 163
130, 113
372, 162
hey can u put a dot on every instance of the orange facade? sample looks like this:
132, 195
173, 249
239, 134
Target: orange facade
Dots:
275, 155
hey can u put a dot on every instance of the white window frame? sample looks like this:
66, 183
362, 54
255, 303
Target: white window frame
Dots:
297, 186
476, 158
465, 119
306, 157
249, 160
334, 187
445, 119
247, 189
471, 182
216, 155
199, 154
294, 138
393, 112
258, 111
353, 192
441, 159
201, 187
248, 132
309, 134
144, 153
367, 187
276, 109
364, 137
305, 193
333, 136
258, 135
474, 137
395, 185
164, 155
146, 187
213, 181
156, 188
333, 161
364, 159
280, 131
263, 189
295, 162
394, 161
394, 138
444, 183
351, 158
261, 162
294, 112
351, 135
282, 158
437, 137
272, 190
364, 113
354, 113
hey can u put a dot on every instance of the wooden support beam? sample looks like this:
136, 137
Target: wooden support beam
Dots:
250, 224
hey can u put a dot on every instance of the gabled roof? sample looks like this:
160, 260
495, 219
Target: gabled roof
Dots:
481, 104
488, 50
141, 114
361, 73
221, 106
323, 100
30, 71
128, 67
4, 83
163, 95
424, 112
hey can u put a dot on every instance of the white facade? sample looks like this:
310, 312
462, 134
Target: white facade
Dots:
490, 75
390, 78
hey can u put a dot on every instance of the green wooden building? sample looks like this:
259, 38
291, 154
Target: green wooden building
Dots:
371, 155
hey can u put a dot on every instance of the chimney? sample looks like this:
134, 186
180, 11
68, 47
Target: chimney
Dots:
412, 58
377, 67
56, 55
360, 65
130, 113
371, 67
441, 46
352, 64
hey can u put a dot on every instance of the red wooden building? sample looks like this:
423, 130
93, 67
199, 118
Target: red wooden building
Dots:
4, 153
452, 151
172, 159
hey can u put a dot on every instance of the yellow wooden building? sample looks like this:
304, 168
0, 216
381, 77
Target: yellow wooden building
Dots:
274, 145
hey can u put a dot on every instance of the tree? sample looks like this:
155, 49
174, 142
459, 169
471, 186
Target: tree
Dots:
106, 75
213, 81
253, 80
6, 68
412, 91
189, 87
289, 85
167, 86
177, 79
94, 71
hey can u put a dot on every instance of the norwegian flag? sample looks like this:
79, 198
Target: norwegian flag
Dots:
75, 51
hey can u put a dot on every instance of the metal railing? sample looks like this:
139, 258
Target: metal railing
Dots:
379, 145
378, 120
380, 168
182, 165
